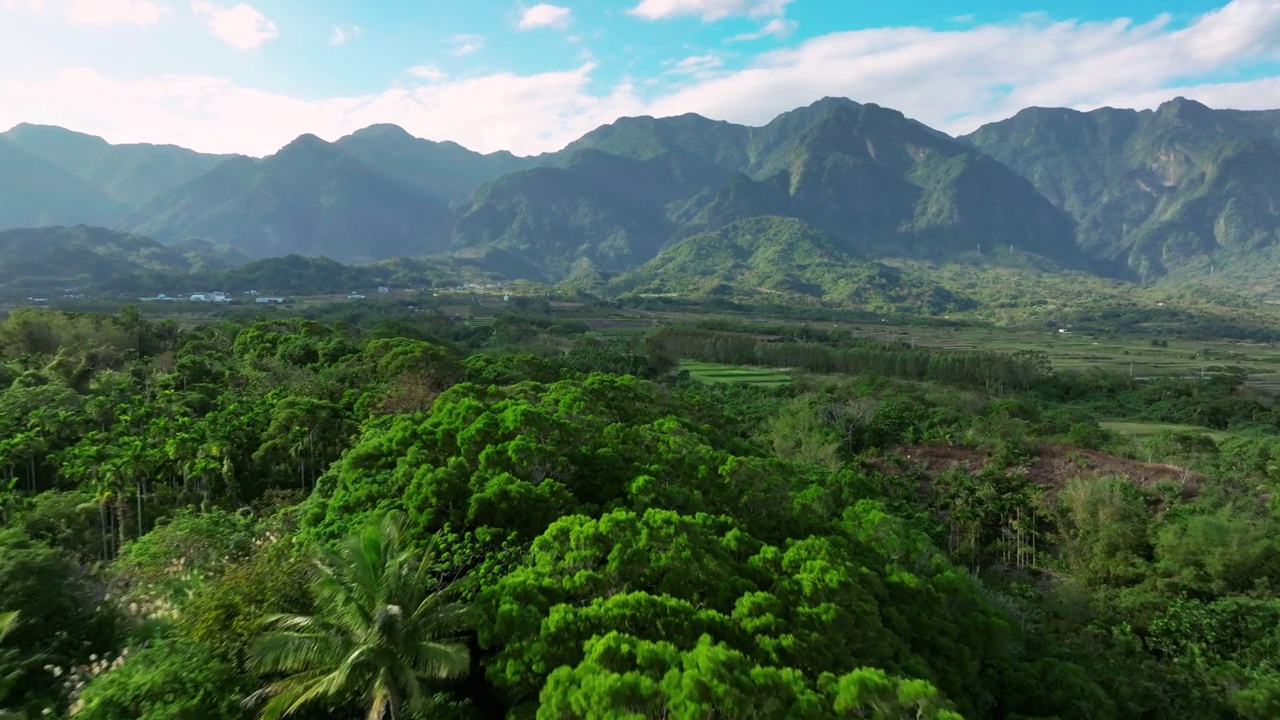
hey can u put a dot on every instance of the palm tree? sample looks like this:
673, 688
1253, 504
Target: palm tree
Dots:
384, 630
10, 670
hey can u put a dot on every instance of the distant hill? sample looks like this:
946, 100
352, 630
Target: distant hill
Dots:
880, 183
376, 193
1181, 192
310, 198
780, 259
294, 275
72, 258
35, 192
128, 174
614, 211
1164, 192
446, 171
205, 256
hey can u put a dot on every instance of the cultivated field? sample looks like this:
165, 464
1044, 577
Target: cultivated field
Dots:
716, 373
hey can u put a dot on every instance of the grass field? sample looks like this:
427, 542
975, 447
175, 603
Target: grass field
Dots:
1126, 354
1144, 429
715, 373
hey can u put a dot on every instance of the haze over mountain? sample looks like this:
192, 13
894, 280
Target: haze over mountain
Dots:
64, 259
128, 174
1124, 193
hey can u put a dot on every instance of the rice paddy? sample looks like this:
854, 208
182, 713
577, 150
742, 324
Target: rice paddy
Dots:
735, 374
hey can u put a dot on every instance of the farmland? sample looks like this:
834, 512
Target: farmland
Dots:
734, 374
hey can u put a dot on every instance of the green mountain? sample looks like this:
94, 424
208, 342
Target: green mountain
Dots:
35, 193
1172, 191
613, 211
310, 198
128, 174
1181, 192
73, 258
294, 275
881, 184
444, 170
205, 256
93, 260
782, 260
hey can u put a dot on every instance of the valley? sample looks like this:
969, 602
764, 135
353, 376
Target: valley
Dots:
836, 416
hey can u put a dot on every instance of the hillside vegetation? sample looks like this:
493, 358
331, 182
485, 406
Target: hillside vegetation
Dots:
782, 260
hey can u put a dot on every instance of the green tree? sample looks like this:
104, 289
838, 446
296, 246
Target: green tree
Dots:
171, 679
384, 632
10, 670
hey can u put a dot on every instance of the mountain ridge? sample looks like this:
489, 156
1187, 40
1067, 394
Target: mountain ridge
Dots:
1135, 194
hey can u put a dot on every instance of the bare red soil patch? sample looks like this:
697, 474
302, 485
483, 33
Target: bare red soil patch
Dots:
1052, 465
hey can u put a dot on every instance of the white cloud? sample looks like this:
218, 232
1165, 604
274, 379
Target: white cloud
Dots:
708, 10
953, 80
464, 44
525, 114
142, 13
956, 80
242, 27
544, 15
28, 5
427, 72
342, 34
777, 27
697, 65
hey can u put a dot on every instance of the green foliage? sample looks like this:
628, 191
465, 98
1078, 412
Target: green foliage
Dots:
169, 562
777, 256
1209, 209
384, 632
895, 531
60, 617
173, 678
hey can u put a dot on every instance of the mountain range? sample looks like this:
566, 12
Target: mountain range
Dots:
651, 204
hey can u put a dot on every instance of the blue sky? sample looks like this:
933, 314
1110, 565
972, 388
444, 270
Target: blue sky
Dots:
230, 76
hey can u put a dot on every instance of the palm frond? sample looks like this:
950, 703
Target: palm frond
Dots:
8, 621
295, 652
360, 640
442, 661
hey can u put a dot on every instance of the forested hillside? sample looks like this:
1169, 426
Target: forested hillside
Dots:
880, 183
1183, 192
782, 260
1170, 191
58, 260
405, 515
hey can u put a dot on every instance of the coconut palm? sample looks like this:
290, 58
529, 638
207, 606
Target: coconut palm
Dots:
384, 631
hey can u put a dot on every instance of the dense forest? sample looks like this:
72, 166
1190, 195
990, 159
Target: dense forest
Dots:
413, 516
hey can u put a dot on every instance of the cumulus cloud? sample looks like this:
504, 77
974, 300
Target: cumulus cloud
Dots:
953, 80
708, 10
958, 79
241, 26
544, 15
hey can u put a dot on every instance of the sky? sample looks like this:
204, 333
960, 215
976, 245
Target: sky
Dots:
528, 77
